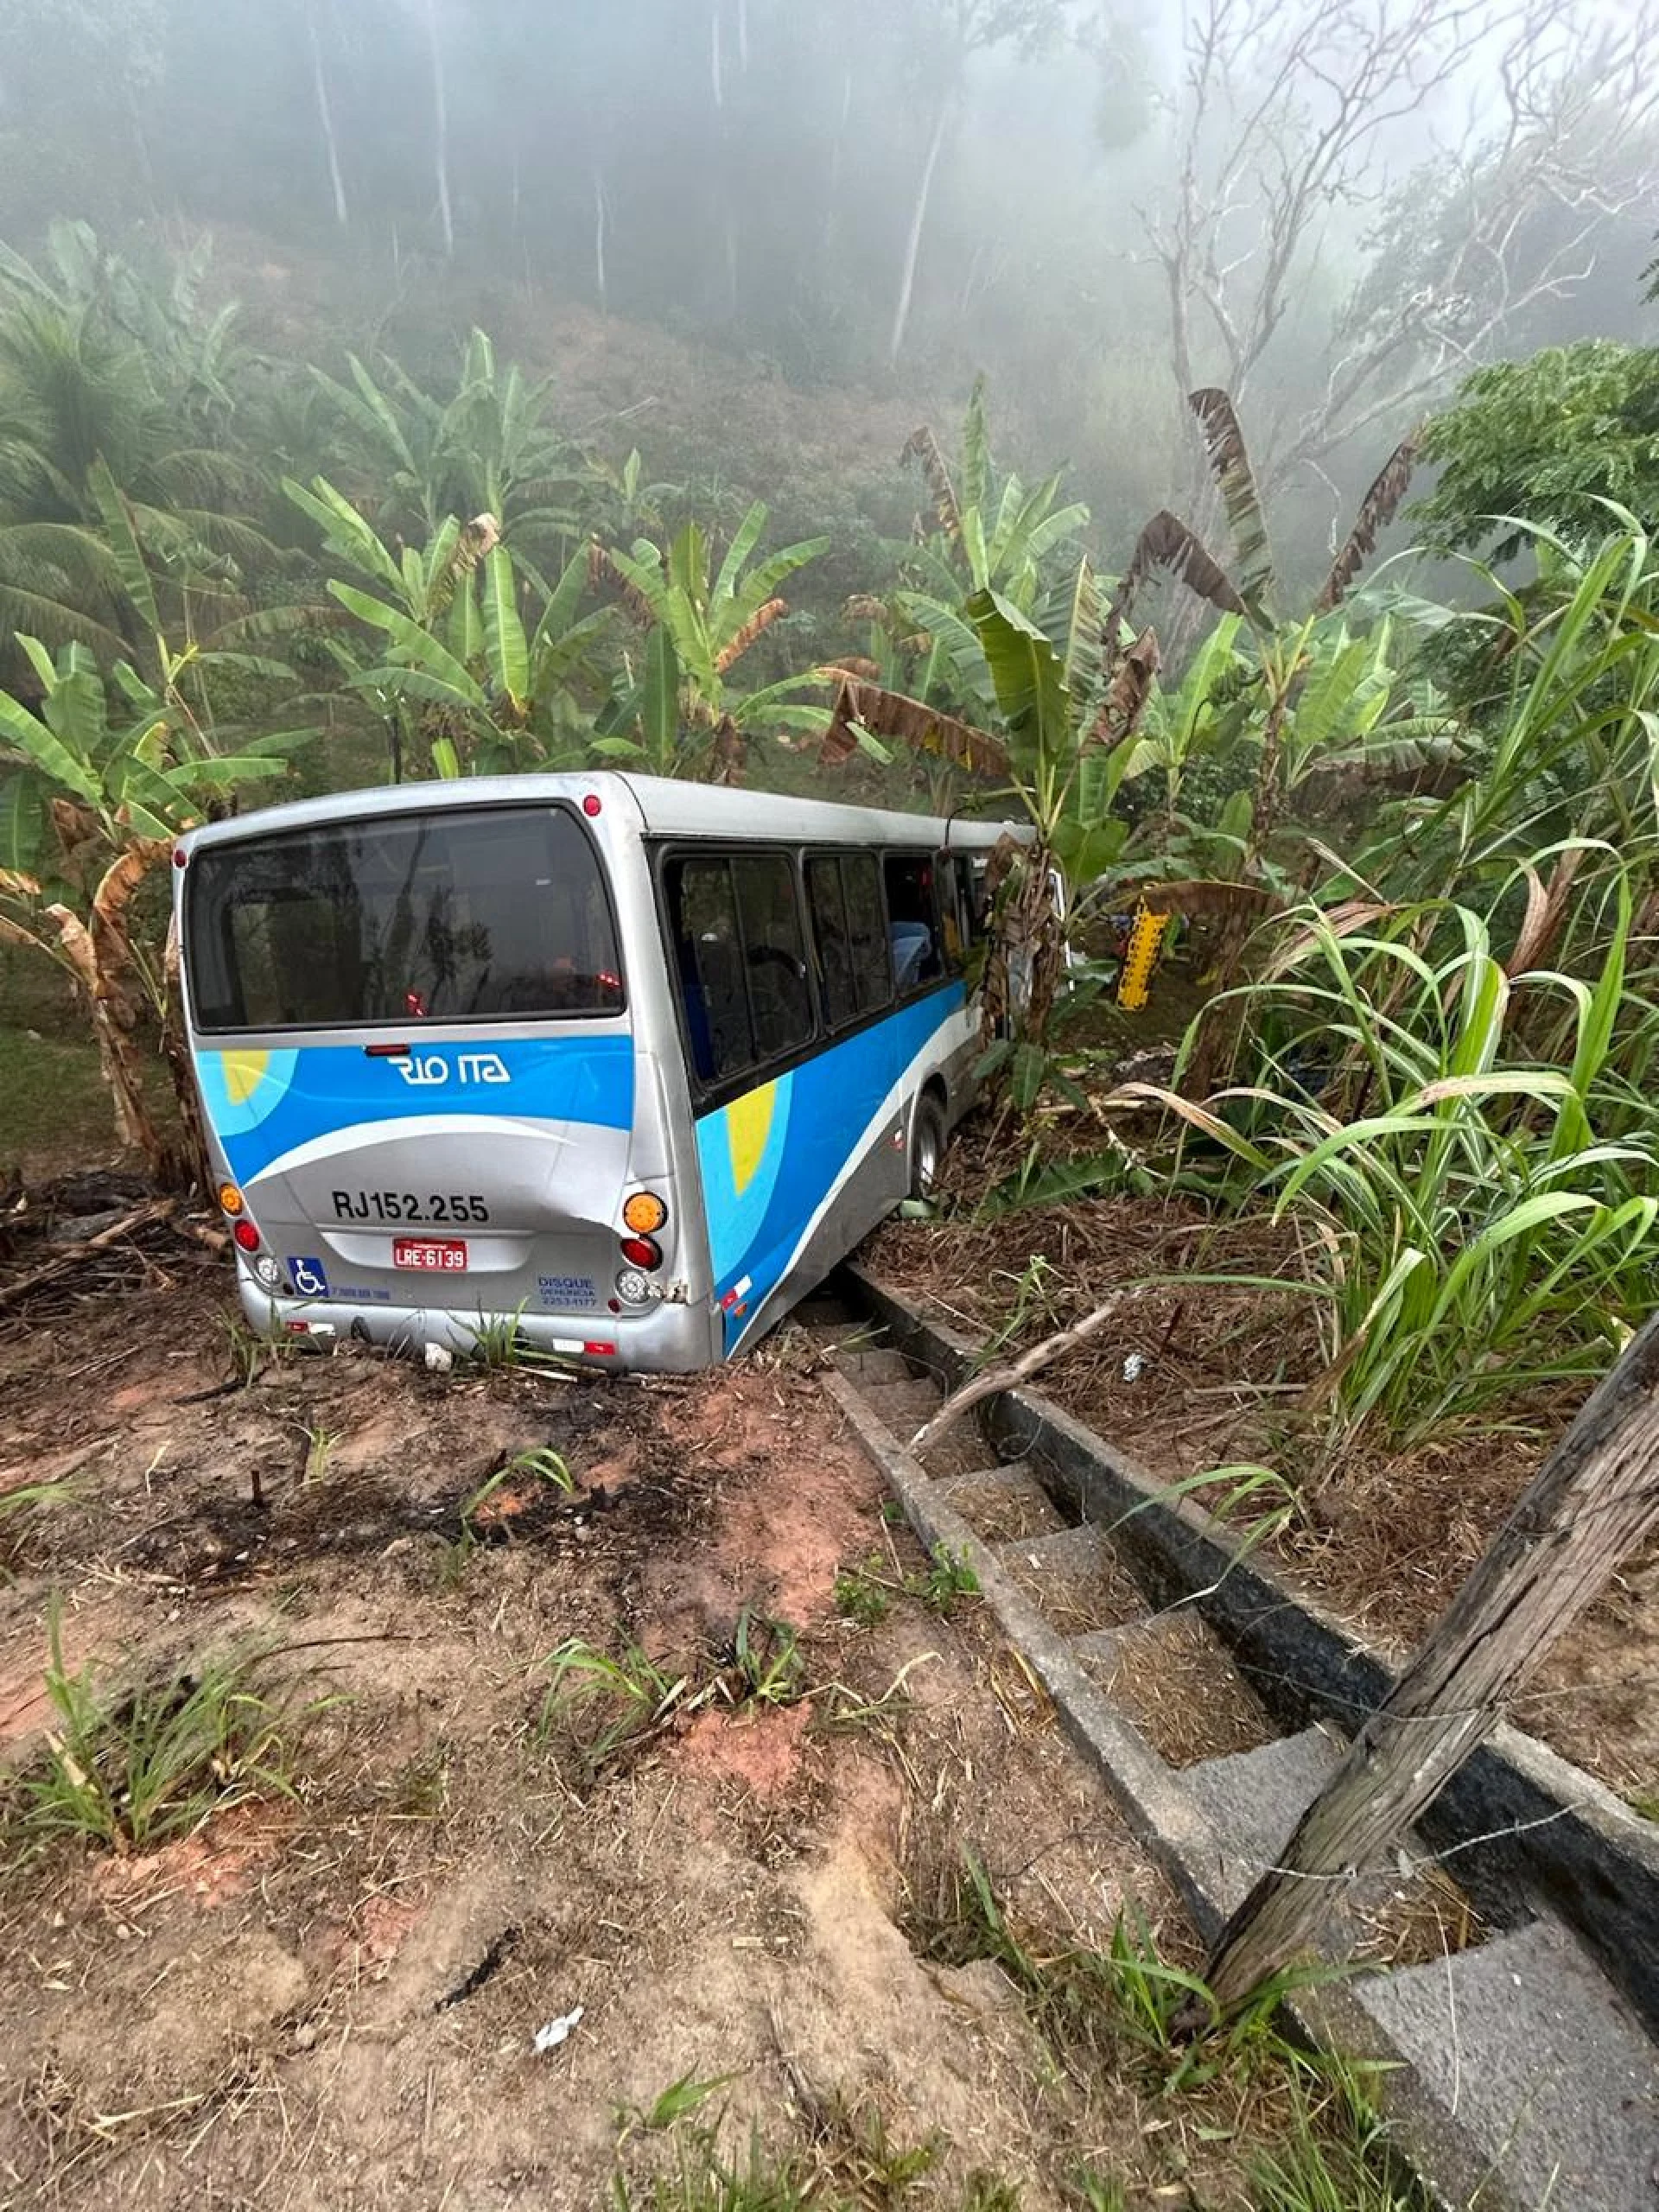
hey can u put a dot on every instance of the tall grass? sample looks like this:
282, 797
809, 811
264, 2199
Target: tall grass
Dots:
1466, 1155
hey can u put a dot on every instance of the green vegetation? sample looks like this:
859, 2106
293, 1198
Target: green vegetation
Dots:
128, 1770
1128, 2005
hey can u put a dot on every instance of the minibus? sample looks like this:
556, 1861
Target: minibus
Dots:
618, 1065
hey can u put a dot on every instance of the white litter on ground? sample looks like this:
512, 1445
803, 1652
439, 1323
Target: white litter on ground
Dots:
551, 2037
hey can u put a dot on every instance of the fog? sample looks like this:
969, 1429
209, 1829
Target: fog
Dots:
1334, 211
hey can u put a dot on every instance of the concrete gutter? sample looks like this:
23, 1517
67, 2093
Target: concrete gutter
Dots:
1528, 1829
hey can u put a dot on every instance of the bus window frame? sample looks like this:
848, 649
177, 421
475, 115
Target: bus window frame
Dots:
931, 856
420, 1024
709, 1093
708, 1096
839, 854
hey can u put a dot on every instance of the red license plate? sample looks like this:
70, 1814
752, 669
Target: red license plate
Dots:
435, 1256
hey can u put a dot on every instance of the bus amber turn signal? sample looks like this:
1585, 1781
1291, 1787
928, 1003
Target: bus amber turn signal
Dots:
644, 1213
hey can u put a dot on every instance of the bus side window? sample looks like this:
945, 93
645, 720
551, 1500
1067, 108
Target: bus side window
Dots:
703, 912
912, 921
953, 912
774, 953
828, 906
867, 932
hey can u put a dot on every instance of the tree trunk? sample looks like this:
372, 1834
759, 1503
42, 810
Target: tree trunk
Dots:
441, 128
832, 188
599, 244
1595, 1497
326, 117
913, 243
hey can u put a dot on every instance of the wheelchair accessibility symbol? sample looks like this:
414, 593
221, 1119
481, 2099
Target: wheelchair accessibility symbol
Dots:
309, 1278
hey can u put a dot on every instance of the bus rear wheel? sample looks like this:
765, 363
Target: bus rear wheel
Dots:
926, 1147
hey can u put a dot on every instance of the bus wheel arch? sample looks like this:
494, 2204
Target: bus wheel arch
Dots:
927, 1139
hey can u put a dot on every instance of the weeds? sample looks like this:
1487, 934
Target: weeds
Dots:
947, 1582
598, 1707
851, 2164
497, 1342
767, 1655
132, 1771
539, 1463
320, 1444
865, 1594
21, 1510
1088, 2002
675, 2103
248, 1351
1475, 1214
704, 2179
1335, 2155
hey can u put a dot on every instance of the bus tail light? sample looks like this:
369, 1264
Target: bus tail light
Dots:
247, 1235
231, 1200
640, 1252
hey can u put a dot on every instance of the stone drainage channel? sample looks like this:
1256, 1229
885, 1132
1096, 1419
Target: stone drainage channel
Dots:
1511, 1976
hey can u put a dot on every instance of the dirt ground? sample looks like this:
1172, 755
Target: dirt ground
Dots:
1215, 1378
328, 1997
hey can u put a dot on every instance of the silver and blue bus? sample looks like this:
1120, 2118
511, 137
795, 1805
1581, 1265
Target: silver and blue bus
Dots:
624, 1064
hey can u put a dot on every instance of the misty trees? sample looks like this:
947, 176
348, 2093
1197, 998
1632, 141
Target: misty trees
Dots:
1297, 147
951, 33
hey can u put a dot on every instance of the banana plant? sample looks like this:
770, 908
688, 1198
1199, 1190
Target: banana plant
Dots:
487, 448
1058, 741
981, 535
93, 788
987, 539
1284, 649
459, 668
678, 712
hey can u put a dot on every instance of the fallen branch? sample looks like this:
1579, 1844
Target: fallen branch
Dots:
73, 1255
988, 1385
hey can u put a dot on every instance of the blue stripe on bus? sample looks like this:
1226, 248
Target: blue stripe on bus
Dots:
263, 1104
769, 1158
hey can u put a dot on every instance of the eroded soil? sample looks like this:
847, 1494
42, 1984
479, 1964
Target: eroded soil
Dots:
328, 1997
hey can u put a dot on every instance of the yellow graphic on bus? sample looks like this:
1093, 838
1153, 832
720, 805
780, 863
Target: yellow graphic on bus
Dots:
1140, 957
244, 1073
748, 1124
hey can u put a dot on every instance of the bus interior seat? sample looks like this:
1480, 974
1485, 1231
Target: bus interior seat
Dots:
912, 943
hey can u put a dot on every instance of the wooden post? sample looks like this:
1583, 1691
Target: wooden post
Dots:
1596, 1495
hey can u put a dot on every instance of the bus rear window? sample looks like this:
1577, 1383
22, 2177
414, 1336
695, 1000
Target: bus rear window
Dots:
448, 917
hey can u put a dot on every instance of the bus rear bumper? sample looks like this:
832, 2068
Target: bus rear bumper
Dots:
663, 1339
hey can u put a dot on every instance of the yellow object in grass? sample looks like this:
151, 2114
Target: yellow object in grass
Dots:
1140, 957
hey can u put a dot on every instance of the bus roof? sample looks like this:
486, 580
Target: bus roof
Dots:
664, 806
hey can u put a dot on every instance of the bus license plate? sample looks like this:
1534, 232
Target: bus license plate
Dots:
438, 1256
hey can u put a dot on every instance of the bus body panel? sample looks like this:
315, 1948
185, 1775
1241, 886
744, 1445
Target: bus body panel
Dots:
519, 1150
796, 1172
